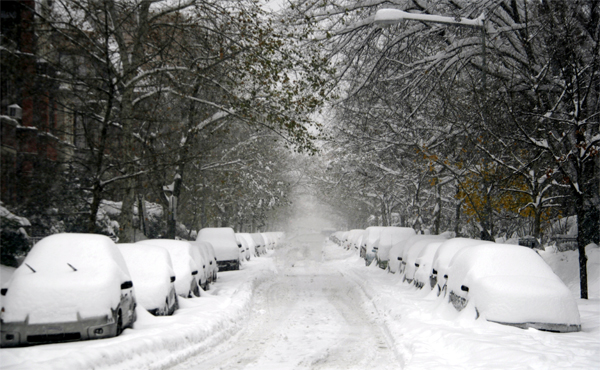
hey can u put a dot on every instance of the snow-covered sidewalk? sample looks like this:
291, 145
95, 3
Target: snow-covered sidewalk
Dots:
429, 334
157, 342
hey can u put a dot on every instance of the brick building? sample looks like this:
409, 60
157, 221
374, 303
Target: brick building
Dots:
28, 114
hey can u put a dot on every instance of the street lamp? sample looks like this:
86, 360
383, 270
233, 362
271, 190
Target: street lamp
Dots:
387, 17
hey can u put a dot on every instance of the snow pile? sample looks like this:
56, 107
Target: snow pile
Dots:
566, 266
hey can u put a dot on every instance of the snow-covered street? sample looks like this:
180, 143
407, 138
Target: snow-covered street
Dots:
313, 305
309, 316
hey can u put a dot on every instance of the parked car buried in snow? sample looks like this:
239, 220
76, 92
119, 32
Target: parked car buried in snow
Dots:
388, 237
226, 248
442, 258
153, 277
185, 266
511, 285
260, 243
69, 287
370, 242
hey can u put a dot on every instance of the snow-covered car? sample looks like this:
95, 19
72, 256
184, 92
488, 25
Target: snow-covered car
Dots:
153, 277
69, 287
226, 248
388, 237
368, 248
441, 261
351, 242
259, 241
423, 265
185, 266
213, 266
512, 285
209, 260
269, 240
413, 247
249, 242
246, 245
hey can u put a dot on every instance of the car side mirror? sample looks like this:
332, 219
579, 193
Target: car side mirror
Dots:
3, 291
399, 258
195, 272
464, 288
434, 271
416, 264
127, 285
173, 278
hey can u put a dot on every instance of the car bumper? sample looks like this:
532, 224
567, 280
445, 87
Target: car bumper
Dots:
14, 334
228, 265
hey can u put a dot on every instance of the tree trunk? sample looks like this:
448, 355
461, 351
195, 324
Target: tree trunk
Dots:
126, 217
581, 242
96, 199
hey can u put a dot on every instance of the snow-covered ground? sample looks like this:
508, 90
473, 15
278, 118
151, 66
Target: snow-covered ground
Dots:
310, 305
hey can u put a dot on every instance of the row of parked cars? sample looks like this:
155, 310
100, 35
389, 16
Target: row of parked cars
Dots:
84, 286
503, 283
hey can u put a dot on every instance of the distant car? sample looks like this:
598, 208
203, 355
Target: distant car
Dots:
69, 287
186, 269
511, 285
352, 240
259, 241
441, 261
153, 277
246, 245
387, 238
226, 248
249, 242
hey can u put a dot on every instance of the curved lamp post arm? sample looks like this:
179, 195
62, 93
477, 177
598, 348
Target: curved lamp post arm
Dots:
393, 16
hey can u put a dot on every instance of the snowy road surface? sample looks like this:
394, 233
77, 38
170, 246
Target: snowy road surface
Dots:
307, 317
